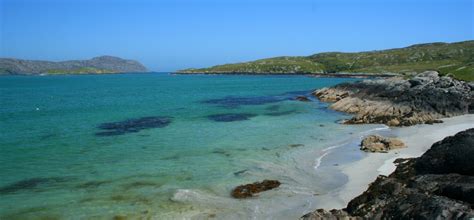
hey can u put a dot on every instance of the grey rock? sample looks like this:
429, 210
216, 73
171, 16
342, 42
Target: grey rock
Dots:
425, 78
445, 82
334, 214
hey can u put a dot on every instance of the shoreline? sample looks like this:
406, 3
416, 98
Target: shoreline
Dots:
418, 139
316, 75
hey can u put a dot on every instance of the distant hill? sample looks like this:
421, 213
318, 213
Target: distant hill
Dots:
96, 65
447, 58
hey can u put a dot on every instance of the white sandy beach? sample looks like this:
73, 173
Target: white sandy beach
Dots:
418, 139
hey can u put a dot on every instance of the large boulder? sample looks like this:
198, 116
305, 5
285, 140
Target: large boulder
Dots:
377, 143
424, 78
249, 190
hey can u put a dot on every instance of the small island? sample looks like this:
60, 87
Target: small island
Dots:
96, 65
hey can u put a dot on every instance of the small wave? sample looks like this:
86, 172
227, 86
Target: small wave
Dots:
201, 197
335, 146
319, 159
328, 150
384, 127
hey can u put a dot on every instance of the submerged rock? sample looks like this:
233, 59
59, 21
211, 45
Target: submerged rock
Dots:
399, 102
240, 172
302, 98
437, 185
249, 190
132, 125
377, 143
231, 117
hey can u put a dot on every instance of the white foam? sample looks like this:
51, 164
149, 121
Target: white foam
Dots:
383, 127
319, 159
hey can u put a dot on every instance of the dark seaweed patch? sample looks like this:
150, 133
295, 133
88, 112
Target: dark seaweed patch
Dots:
234, 102
30, 184
281, 113
230, 117
92, 184
222, 152
140, 184
240, 172
237, 101
132, 125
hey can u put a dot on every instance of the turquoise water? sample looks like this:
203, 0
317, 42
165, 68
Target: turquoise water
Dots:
55, 164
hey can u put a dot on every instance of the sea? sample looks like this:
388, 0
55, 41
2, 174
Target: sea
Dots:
167, 146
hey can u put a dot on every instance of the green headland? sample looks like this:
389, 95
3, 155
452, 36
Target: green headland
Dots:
456, 59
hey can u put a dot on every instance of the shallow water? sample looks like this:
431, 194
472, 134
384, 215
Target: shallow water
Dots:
163, 146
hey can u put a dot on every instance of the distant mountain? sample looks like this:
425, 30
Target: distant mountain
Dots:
447, 58
96, 65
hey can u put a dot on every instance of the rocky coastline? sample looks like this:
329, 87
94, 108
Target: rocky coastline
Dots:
425, 98
437, 185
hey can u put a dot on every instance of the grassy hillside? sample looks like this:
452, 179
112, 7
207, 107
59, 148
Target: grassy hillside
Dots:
279, 65
82, 70
96, 65
456, 59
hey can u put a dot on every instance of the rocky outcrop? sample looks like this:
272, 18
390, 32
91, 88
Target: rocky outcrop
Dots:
451, 155
249, 190
331, 94
334, 214
377, 143
437, 185
399, 102
102, 64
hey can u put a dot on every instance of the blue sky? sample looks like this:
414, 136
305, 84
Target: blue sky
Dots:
167, 35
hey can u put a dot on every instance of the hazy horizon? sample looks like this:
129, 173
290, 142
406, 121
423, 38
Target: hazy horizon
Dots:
171, 35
